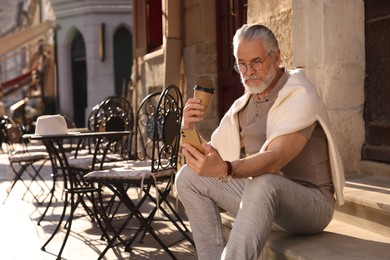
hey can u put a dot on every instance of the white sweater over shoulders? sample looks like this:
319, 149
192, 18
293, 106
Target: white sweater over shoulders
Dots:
297, 106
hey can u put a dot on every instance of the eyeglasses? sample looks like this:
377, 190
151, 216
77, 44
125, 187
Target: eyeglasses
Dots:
255, 64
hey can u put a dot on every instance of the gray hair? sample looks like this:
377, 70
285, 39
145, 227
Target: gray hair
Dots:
255, 31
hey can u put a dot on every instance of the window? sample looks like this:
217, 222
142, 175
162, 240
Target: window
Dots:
154, 24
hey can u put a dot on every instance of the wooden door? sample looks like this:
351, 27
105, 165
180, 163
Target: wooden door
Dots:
123, 60
231, 15
79, 79
377, 82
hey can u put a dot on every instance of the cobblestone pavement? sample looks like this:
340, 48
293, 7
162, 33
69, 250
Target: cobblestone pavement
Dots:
22, 238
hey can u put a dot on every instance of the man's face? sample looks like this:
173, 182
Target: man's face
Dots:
256, 81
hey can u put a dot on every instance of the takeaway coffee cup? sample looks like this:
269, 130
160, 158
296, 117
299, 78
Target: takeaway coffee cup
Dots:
205, 94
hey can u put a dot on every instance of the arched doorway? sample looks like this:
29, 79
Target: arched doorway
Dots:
123, 59
377, 82
79, 79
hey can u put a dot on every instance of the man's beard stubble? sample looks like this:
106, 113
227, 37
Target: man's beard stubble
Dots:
262, 86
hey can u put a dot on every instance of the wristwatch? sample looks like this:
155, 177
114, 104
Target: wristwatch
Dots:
229, 174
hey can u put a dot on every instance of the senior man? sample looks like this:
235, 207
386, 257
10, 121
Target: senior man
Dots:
271, 160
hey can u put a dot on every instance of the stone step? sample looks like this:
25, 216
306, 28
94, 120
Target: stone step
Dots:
360, 228
340, 240
374, 169
367, 204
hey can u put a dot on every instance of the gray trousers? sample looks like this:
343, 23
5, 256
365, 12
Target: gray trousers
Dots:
256, 203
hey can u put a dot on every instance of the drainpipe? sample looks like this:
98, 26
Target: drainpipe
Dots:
56, 96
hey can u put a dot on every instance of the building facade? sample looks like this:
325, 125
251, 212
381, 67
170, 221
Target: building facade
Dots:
94, 53
328, 39
27, 77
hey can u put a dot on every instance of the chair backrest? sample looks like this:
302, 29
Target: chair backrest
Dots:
143, 138
11, 132
112, 114
92, 118
157, 133
166, 129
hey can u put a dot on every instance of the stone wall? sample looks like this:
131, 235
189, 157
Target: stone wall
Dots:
200, 55
326, 38
276, 15
332, 32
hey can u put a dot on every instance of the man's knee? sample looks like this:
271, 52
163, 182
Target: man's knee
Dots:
182, 177
267, 178
266, 183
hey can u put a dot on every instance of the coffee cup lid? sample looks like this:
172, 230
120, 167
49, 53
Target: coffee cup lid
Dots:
205, 89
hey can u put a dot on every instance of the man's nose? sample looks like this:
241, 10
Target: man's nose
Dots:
249, 70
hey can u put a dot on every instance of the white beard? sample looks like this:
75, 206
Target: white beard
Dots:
262, 86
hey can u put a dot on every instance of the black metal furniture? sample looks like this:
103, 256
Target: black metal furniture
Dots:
24, 160
114, 113
57, 173
157, 141
77, 191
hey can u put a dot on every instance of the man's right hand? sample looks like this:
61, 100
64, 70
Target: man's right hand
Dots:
193, 113
209, 164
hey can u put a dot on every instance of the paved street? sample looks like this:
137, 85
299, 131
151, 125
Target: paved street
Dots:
22, 238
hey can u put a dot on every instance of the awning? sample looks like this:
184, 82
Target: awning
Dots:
16, 81
18, 39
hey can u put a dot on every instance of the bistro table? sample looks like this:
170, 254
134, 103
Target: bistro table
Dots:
75, 186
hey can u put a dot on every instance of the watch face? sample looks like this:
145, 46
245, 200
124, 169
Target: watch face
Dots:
227, 178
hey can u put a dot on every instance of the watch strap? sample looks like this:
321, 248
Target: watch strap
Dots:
229, 171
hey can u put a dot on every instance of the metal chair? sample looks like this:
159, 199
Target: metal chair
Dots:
77, 191
142, 150
24, 160
112, 114
157, 138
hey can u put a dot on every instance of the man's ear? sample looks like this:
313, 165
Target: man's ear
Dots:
277, 56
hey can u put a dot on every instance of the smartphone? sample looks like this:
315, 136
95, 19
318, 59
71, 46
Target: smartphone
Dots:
192, 137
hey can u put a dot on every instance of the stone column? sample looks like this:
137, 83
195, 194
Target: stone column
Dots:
172, 51
329, 43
